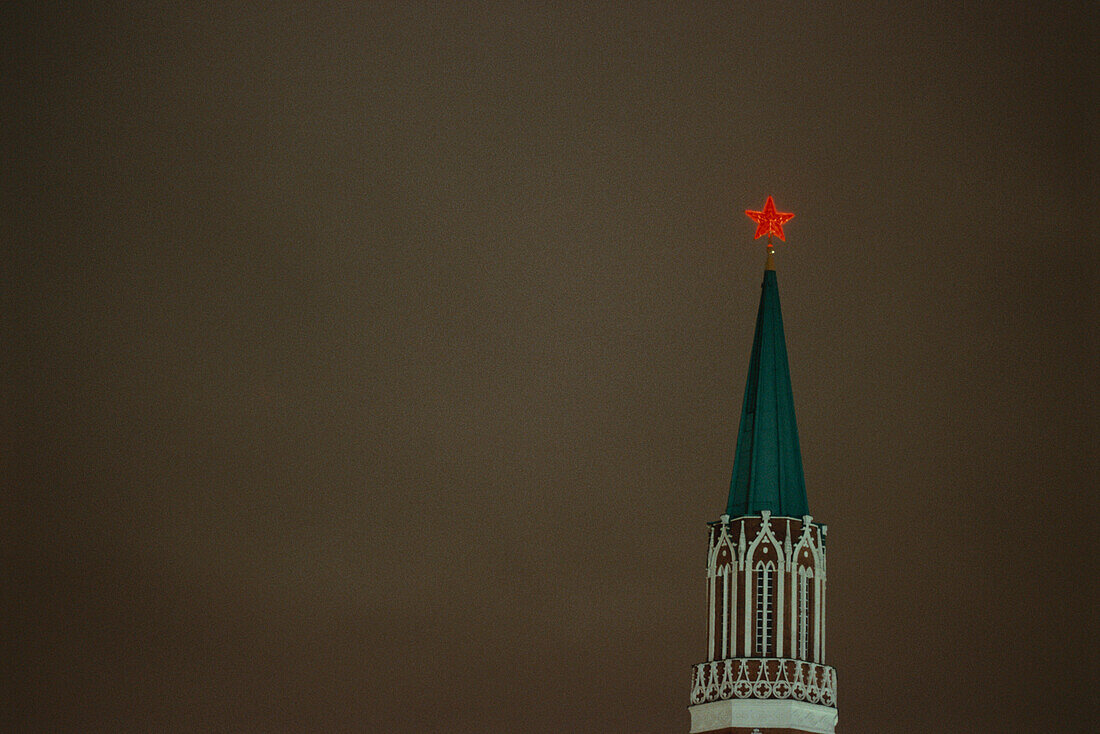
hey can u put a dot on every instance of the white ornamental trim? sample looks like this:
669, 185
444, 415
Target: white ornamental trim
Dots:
763, 678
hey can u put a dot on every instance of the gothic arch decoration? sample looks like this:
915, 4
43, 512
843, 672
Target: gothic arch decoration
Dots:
810, 552
764, 547
721, 594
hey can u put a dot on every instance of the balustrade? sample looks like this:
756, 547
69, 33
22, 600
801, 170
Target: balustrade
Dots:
781, 678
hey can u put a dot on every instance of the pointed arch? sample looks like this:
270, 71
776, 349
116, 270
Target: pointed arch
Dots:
720, 564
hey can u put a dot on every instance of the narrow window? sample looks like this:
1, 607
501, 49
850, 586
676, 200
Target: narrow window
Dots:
765, 584
803, 612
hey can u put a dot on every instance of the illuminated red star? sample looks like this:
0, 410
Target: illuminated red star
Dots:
769, 221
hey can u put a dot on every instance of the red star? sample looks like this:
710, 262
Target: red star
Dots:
769, 221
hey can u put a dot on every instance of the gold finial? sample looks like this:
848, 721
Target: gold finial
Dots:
769, 264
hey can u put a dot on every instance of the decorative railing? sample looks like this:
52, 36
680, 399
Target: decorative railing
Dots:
797, 680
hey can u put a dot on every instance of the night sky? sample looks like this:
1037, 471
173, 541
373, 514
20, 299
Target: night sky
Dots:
378, 368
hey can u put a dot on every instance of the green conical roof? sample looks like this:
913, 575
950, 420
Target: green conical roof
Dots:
767, 469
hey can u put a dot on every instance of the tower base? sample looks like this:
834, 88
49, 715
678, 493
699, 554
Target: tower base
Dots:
734, 716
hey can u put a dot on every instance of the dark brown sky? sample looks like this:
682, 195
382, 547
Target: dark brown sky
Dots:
378, 369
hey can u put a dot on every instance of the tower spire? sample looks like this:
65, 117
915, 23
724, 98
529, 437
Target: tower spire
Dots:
767, 467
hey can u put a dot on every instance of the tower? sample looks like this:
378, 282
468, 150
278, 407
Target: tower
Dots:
766, 567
